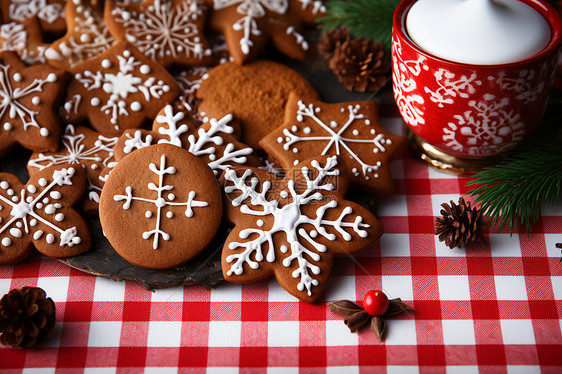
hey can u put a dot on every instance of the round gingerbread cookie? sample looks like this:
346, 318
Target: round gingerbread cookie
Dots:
160, 206
256, 93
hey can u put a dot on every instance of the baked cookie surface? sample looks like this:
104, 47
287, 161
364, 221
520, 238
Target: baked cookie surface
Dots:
160, 206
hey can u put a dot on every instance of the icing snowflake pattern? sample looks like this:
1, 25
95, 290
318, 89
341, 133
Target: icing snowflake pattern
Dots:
300, 230
77, 152
164, 29
121, 85
250, 10
10, 99
337, 138
202, 144
24, 216
160, 202
20, 10
88, 38
485, 127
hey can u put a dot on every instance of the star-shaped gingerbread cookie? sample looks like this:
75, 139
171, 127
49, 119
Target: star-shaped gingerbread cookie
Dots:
350, 130
248, 25
118, 90
87, 35
215, 142
293, 227
49, 13
25, 39
27, 109
40, 214
84, 147
166, 31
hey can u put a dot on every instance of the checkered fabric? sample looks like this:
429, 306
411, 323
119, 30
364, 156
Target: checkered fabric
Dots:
494, 308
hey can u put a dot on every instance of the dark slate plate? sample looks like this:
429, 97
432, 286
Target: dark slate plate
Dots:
205, 269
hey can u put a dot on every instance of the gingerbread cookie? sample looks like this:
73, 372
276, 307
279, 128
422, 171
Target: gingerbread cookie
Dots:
118, 90
166, 31
24, 39
248, 25
86, 36
350, 130
160, 207
292, 227
27, 110
40, 214
256, 93
80, 146
215, 142
49, 13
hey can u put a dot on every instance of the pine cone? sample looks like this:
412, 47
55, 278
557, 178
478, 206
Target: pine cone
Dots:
26, 317
330, 39
361, 65
461, 224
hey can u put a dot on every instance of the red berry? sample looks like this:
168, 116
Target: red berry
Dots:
375, 303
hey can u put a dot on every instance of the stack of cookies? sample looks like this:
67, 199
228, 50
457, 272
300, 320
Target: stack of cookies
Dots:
160, 117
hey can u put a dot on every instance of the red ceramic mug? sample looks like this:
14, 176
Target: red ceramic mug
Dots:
462, 116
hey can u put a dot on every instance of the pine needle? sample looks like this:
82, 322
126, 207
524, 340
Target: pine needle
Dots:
513, 192
368, 19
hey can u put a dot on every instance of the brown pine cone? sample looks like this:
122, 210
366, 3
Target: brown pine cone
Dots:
461, 224
361, 65
330, 39
26, 317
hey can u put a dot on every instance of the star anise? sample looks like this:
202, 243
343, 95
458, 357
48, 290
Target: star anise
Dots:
27, 315
461, 224
356, 317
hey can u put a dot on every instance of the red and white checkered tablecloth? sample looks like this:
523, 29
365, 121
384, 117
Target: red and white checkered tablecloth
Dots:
494, 308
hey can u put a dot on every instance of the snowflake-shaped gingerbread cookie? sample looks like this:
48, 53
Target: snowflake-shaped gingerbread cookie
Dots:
84, 147
350, 130
166, 31
292, 227
87, 35
248, 25
160, 207
118, 90
39, 214
215, 142
28, 98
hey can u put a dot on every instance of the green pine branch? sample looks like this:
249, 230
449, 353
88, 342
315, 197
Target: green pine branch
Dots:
512, 192
369, 19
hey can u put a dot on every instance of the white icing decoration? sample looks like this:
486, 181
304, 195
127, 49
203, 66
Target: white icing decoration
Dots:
76, 152
165, 28
190, 85
122, 84
89, 38
13, 37
20, 10
337, 137
25, 210
160, 202
202, 144
250, 10
11, 97
288, 219
317, 6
